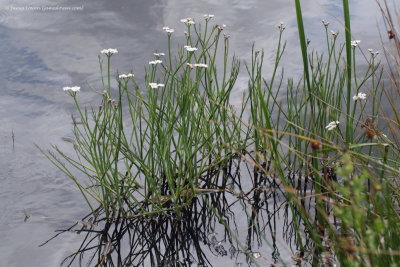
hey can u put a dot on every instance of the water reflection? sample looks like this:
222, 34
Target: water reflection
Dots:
244, 222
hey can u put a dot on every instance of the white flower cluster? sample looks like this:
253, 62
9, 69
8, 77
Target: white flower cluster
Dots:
168, 30
373, 52
334, 34
256, 255
360, 96
326, 23
126, 76
159, 54
189, 48
332, 125
197, 65
109, 51
73, 88
355, 43
156, 85
281, 26
188, 21
208, 16
155, 62
220, 27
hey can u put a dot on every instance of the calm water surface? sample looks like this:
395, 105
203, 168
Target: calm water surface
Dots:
42, 51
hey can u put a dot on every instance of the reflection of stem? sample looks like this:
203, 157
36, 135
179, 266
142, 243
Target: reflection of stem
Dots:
209, 210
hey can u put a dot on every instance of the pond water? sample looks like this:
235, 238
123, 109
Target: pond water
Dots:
43, 50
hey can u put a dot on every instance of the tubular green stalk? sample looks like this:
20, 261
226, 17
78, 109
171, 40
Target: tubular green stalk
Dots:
303, 45
347, 25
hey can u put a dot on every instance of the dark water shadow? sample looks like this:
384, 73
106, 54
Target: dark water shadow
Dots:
245, 220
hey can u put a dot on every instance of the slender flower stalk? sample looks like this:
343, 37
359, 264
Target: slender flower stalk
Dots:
109, 52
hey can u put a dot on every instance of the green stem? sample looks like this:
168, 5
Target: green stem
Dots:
348, 56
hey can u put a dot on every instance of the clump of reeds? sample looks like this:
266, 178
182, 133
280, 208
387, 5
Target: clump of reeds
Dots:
152, 148
163, 141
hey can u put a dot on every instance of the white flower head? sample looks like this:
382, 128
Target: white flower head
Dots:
373, 52
168, 30
281, 26
220, 27
72, 89
159, 54
156, 85
208, 16
200, 65
197, 65
109, 51
256, 255
326, 23
188, 21
334, 34
360, 96
155, 62
355, 43
153, 85
226, 36
189, 48
332, 125
126, 76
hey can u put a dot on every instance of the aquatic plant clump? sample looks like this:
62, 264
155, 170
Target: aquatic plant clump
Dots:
154, 148
164, 141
